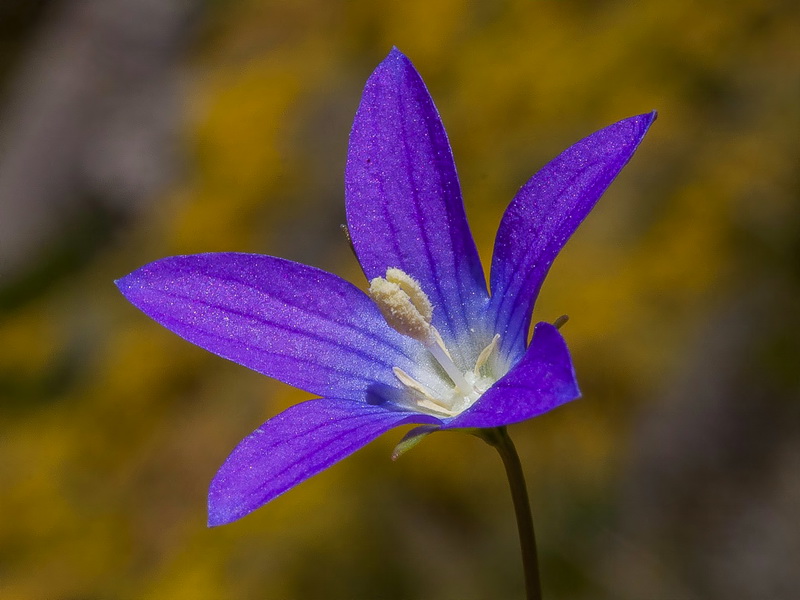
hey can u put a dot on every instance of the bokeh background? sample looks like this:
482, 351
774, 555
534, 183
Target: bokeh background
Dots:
136, 129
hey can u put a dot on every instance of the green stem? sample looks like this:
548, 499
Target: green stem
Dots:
498, 437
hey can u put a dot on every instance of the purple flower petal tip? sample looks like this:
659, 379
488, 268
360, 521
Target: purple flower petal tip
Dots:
293, 446
295, 323
545, 213
403, 199
454, 356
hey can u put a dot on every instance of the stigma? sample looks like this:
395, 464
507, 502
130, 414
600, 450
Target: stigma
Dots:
408, 310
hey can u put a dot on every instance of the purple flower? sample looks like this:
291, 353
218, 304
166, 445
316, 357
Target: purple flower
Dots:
427, 344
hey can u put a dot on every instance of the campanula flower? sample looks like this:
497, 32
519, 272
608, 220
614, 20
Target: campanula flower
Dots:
426, 343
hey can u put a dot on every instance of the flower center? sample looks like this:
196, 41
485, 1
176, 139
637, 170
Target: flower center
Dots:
408, 310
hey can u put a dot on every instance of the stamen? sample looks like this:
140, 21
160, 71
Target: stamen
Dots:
449, 367
436, 409
411, 383
408, 310
485, 354
437, 337
409, 315
412, 289
427, 400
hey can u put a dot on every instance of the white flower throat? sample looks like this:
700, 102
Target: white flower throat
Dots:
408, 310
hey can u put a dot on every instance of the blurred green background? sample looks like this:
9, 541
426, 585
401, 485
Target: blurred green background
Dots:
136, 129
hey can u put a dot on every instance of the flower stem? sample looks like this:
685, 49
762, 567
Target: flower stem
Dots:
499, 438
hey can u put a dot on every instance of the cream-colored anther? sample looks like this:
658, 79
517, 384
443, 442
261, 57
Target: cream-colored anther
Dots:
411, 383
424, 397
485, 354
403, 304
408, 310
411, 287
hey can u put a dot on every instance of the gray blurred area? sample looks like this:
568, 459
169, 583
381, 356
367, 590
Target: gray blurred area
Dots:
709, 505
89, 120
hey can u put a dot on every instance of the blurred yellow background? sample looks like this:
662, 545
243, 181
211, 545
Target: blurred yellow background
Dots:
131, 130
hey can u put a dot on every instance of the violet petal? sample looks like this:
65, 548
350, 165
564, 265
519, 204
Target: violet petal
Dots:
298, 324
291, 447
545, 213
541, 381
403, 199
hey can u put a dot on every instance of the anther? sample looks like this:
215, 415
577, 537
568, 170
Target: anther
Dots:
403, 304
408, 310
412, 383
485, 354
425, 398
412, 289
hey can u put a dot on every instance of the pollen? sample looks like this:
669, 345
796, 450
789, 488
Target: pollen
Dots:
449, 388
403, 304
